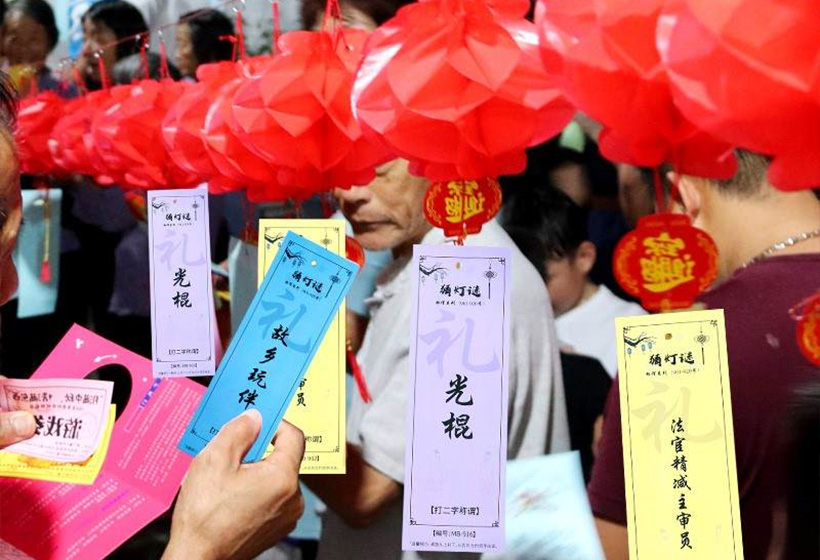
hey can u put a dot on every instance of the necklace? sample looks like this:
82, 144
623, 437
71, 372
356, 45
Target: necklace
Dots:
780, 245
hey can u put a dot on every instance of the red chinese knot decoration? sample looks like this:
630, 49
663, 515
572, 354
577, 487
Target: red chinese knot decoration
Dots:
808, 330
460, 208
666, 262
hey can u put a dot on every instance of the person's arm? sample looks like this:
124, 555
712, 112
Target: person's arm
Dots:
232, 511
613, 539
361, 496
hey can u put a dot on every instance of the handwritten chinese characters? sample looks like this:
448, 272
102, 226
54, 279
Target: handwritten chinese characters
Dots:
258, 377
458, 426
182, 305
665, 265
680, 481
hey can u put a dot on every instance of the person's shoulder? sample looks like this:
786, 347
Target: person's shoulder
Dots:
619, 306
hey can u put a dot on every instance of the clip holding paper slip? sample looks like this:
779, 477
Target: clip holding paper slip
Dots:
678, 437
275, 343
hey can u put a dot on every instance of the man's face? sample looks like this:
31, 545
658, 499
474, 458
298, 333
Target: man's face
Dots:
565, 281
10, 215
185, 58
25, 41
386, 214
96, 36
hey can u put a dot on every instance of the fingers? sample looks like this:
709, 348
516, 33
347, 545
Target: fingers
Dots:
16, 426
289, 443
236, 437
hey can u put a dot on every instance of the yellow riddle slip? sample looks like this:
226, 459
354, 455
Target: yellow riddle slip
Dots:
318, 408
678, 437
15, 465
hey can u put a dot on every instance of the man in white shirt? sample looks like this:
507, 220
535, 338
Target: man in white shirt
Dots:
554, 227
365, 506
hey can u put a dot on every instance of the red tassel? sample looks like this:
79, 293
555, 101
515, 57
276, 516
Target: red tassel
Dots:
45, 272
361, 384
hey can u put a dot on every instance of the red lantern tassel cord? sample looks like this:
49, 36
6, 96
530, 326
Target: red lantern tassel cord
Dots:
358, 376
45, 267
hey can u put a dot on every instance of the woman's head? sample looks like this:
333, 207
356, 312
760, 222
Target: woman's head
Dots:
106, 23
10, 198
30, 32
201, 39
360, 14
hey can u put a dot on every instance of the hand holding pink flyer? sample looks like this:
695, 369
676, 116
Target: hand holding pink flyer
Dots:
71, 415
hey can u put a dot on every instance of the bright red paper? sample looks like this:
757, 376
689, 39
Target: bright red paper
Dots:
35, 119
749, 72
605, 55
458, 88
297, 113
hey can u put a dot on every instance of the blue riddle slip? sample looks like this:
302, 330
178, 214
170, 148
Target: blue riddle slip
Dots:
275, 343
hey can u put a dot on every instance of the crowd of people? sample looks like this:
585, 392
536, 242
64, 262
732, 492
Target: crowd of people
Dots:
562, 219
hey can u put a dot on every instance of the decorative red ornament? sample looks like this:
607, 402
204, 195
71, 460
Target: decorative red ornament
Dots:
66, 139
130, 132
354, 251
35, 120
182, 126
103, 163
297, 113
230, 155
457, 87
604, 53
758, 90
460, 208
666, 262
808, 330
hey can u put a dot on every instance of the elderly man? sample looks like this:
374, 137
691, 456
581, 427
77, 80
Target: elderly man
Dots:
365, 510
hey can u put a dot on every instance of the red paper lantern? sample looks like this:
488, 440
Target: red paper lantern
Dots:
230, 155
103, 163
297, 114
458, 88
35, 120
665, 262
182, 126
808, 330
66, 139
130, 134
604, 53
460, 208
749, 72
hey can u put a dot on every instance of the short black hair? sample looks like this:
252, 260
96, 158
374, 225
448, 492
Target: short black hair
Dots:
124, 20
207, 26
378, 10
41, 12
131, 68
559, 225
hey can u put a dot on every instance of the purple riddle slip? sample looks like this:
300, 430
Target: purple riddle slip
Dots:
456, 454
182, 303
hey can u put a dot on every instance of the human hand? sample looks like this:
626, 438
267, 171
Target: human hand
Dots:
15, 426
227, 510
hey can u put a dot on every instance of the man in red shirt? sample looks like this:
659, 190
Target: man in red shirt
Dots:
769, 263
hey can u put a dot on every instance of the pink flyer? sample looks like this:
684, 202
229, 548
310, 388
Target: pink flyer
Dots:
141, 474
71, 415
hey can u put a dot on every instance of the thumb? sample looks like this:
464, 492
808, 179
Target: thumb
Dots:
16, 426
236, 437
289, 446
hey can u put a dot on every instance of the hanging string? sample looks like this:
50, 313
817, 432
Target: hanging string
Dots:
79, 81
103, 72
164, 71
240, 35
660, 199
233, 41
277, 30
146, 68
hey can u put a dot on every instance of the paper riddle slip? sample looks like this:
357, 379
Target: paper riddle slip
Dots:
678, 437
182, 303
319, 406
456, 451
70, 414
14, 465
276, 342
